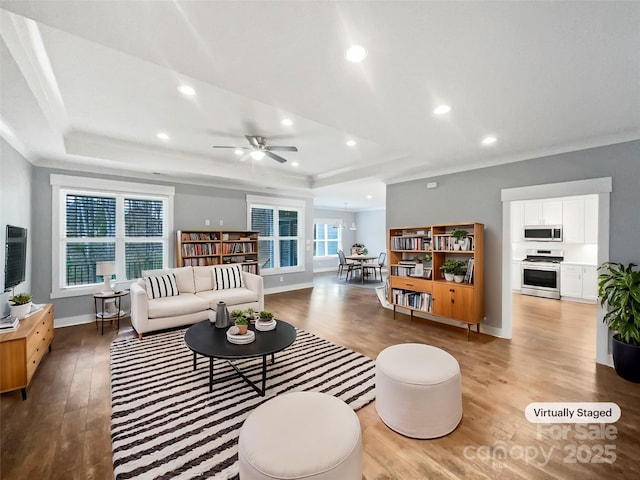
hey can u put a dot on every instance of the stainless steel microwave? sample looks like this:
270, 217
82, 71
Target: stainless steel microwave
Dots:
543, 233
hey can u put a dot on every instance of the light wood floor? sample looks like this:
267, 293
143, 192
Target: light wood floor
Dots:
62, 430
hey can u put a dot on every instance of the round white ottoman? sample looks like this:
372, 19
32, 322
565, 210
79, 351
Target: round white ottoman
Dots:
306, 435
418, 390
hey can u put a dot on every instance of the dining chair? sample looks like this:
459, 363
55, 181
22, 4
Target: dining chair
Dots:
350, 266
381, 259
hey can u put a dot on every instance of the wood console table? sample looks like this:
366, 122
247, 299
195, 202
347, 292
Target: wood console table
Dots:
22, 350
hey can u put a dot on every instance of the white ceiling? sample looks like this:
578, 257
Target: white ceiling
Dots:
87, 85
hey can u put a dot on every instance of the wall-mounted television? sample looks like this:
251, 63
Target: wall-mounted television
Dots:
15, 257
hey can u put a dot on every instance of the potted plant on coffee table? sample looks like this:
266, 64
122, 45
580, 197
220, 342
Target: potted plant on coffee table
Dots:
619, 291
266, 316
20, 305
242, 323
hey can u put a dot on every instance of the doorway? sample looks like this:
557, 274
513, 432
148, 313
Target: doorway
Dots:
601, 187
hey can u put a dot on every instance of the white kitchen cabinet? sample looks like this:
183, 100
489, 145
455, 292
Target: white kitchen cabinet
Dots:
573, 226
580, 220
571, 281
543, 212
590, 283
591, 219
579, 282
516, 276
517, 221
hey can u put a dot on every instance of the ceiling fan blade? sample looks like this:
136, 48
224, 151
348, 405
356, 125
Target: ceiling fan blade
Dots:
276, 148
225, 146
277, 158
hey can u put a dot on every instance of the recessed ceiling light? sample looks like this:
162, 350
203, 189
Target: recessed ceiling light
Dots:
442, 109
294, 164
356, 53
257, 154
238, 151
489, 140
286, 122
186, 90
369, 197
351, 143
162, 136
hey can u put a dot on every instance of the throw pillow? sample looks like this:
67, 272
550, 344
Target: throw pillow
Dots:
161, 286
227, 277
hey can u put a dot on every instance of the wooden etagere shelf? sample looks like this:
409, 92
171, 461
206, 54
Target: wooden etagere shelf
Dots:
217, 247
416, 282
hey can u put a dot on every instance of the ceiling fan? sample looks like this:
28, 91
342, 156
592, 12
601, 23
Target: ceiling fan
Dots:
259, 148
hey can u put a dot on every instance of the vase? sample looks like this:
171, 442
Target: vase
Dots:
458, 278
20, 311
626, 359
448, 276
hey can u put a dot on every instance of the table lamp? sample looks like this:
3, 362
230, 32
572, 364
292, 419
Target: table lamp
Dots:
106, 270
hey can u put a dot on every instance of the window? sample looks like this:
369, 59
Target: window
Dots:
280, 226
99, 220
327, 239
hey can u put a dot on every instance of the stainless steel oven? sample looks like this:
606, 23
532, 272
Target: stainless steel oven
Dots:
541, 273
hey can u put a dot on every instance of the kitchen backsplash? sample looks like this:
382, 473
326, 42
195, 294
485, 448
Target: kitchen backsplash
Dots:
582, 254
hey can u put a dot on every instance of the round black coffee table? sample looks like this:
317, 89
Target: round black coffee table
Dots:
205, 339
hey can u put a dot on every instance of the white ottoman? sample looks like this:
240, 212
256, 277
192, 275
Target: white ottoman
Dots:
306, 435
418, 390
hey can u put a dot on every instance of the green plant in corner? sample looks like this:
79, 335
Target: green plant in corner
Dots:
20, 299
619, 290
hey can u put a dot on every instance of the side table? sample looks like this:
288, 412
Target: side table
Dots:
102, 314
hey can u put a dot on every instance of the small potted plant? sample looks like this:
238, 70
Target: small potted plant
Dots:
242, 323
20, 305
619, 290
454, 268
251, 314
458, 235
235, 314
266, 316
356, 248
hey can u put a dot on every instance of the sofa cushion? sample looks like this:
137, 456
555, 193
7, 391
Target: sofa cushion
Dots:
182, 304
202, 278
184, 277
227, 277
161, 286
230, 296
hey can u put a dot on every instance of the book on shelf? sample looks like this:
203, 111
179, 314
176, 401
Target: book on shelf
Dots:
468, 276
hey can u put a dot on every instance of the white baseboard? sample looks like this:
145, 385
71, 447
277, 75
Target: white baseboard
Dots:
325, 269
75, 320
288, 288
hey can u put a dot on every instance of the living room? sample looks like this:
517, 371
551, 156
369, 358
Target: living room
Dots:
417, 173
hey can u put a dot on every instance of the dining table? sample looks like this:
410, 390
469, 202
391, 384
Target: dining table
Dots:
362, 259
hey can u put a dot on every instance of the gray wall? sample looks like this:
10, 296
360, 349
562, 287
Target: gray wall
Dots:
475, 196
15, 209
372, 231
192, 206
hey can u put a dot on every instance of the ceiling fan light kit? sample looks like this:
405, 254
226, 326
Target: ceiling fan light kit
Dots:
260, 149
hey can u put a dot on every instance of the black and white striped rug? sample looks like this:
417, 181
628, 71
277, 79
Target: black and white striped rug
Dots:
166, 424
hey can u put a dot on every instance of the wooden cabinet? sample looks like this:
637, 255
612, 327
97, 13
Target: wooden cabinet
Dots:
217, 247
579, 282
544, 212
21, 351
431, 293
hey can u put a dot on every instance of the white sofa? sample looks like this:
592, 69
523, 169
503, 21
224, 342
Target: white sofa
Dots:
197, 294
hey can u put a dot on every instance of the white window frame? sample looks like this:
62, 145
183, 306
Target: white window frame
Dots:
326, 221
276, 203
61, 185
